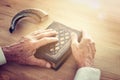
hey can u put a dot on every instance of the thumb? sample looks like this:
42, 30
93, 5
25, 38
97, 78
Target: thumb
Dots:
38, 62
74, 38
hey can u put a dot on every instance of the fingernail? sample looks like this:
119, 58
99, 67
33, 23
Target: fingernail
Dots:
50, 29
55, 32
55, 39
48, 65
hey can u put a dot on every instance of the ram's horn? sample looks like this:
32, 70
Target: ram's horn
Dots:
35, 13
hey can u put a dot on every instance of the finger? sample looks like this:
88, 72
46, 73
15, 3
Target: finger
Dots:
38, 62
46, 34
40, 31
74, 39
92, 44
90, 53
93, 49
36, 32
45, 41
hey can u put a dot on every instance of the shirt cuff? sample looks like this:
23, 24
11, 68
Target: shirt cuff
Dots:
2, 57
87, 73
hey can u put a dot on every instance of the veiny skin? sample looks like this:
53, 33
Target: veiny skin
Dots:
83, 51
23, 51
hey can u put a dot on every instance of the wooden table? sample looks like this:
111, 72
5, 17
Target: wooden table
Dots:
100, 18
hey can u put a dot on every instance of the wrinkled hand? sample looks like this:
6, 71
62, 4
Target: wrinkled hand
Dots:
23, 51
84, 50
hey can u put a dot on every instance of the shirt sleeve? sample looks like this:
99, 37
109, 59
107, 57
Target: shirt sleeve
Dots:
87, 73
2, 57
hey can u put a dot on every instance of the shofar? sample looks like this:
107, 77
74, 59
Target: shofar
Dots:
38, 14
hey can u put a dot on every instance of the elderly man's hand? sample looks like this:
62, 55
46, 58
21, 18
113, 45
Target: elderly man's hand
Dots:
23, 51
84, 50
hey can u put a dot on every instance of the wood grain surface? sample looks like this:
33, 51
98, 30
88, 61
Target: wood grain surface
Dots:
100, 18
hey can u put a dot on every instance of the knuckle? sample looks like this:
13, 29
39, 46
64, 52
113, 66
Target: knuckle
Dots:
95, 50
88, 40
93, 43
